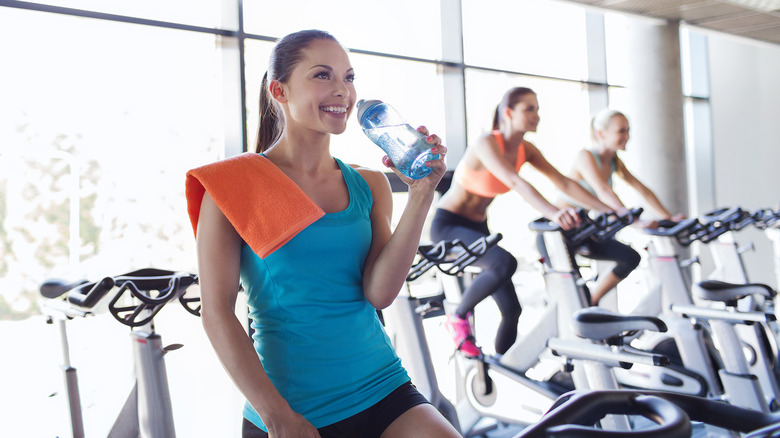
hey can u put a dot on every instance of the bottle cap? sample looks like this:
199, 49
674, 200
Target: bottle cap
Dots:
363, 105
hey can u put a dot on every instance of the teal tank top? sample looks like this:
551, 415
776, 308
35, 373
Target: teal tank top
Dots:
318, 338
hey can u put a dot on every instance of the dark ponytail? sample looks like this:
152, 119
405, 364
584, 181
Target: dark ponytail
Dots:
270, 127
497, 118
509, 100
286, 54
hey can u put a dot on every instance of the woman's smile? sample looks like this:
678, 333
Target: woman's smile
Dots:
339, 111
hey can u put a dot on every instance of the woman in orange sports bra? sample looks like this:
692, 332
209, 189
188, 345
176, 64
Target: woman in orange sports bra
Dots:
489, 168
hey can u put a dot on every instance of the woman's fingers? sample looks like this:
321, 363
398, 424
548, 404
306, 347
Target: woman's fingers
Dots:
567, 218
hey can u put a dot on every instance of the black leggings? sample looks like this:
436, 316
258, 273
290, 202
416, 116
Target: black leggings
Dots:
497, 265
625, 257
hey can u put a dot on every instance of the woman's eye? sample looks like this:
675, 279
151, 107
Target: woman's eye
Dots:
350, 78
322, 75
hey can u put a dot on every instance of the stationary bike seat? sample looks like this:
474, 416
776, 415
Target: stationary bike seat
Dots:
600, 324
715, 290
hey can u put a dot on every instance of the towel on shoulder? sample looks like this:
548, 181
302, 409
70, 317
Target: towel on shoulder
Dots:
264, 205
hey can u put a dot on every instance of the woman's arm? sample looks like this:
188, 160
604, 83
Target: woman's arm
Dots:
586, 165
219, 253
562, 182
392, 252
643, 190
489, 154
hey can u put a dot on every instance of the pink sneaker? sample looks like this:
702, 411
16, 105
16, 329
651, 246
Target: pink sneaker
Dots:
460, 330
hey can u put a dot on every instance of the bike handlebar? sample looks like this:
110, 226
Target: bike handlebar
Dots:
451, 256
713, 224
725, 219
95, 293
578, 407
766, 217
610, 227
684, 232
603, 227
575, 412
151, 289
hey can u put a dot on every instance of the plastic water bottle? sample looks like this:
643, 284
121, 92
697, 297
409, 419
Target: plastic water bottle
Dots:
405, 146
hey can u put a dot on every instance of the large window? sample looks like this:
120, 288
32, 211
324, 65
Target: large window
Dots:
123, 109
536, 37
616, 36
206, 13
401, 27
101, 120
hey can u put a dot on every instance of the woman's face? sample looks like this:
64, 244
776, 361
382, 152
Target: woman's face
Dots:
615, 135
320, 93
524, 115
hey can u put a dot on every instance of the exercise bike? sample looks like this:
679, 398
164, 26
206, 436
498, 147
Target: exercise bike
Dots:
133, 299
563, 275
727, 287
695, 329
491, 386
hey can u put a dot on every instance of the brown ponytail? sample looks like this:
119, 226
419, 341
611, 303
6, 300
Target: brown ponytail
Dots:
286, 54
269, 128
497, 118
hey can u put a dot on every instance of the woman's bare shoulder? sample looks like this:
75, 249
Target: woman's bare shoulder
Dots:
373, 177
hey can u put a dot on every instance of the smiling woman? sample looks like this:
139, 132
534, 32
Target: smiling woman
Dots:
328, 91
334, 265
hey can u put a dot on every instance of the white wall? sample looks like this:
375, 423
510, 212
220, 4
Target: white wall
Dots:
745, 102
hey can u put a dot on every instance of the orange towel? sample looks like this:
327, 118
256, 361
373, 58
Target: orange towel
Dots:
266, 207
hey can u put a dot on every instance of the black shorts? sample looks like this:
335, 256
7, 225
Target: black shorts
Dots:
369, 423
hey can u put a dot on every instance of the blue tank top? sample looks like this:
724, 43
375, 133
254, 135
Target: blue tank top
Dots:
318, 338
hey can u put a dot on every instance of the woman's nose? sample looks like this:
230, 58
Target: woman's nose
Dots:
341, 89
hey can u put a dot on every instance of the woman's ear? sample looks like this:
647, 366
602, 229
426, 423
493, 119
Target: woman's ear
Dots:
507, 113
277, 91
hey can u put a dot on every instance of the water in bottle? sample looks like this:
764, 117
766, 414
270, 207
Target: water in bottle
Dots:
405, 146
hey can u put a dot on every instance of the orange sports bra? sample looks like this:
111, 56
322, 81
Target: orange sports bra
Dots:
482, 182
